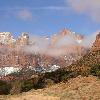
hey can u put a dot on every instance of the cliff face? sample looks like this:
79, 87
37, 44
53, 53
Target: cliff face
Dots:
89, 60
12, 55
23, 39
66, 33
96, 44
16, 59
7, 39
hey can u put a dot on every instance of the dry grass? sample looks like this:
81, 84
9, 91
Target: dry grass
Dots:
79, 88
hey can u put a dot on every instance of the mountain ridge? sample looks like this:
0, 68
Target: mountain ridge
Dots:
17, 53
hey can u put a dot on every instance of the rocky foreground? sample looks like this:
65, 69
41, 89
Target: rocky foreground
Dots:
79, 88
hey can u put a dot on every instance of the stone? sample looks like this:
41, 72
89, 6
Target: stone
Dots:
96, 44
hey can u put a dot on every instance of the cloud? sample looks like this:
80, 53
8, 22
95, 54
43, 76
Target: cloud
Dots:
38, 45
51, 8
24, 14
42, 45
66, 40
90, 8
35, 8
63, 46
89, 40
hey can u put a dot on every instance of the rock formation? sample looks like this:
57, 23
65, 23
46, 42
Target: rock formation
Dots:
6, 38
23, 39
96, 44
66, 33
12, 55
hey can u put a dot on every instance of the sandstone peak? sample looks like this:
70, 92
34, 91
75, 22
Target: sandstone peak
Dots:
98, 36
23, 39
25, 35
96, 44
6, 38
65, 32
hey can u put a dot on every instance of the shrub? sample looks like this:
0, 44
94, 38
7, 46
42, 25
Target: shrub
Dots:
16, 87
49, 82
27, 85
4, 87
95, 70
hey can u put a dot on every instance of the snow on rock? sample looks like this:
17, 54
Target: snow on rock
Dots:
6, 38
53, 68
8, 70
79, 41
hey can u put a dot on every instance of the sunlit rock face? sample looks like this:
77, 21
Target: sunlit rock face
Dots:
68, 42
6, 38
23, 39
50, 60
96, 44
66, 33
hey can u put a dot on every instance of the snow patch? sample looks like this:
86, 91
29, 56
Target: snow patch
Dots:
8, 70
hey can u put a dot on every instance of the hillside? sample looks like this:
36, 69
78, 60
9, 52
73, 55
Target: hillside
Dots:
88, 64
79, 88
74, 82
91, 59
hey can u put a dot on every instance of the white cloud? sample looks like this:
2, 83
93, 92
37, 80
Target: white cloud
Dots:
89, 40
90, 8
51, 8
35, 8
24, 14
63, 46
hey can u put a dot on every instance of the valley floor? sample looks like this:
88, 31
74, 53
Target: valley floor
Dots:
79, 88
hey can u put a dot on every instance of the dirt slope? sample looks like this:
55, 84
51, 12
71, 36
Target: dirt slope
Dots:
79, 88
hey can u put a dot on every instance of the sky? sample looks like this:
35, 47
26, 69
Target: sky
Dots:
47, 17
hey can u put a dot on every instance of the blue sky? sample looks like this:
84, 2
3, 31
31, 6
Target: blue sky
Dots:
46, 17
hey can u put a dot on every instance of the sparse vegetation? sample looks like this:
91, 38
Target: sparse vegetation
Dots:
27, 85
95, 70
88, 65
16, 87
4, 87
79, 88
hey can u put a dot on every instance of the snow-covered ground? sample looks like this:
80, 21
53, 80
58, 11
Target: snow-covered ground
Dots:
8, 70
53, 68
48, 69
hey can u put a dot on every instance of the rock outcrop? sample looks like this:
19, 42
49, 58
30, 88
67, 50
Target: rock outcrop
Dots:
23, 39
96, 44
13, 55
66, 33
6, 38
